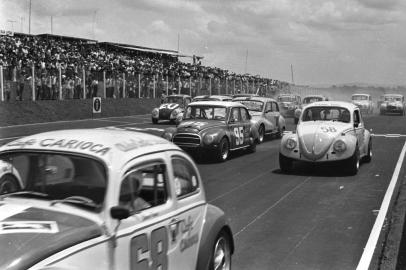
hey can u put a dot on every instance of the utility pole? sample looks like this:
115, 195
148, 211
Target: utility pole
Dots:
29, 19
291, 71
246, 60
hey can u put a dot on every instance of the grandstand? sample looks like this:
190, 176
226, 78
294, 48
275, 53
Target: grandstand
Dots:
40, 67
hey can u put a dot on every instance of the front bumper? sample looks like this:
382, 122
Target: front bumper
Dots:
330, 155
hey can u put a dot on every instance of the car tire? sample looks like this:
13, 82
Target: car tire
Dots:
261, 133
354, 162
368, 157
285, 163
223, 150
154, 121
221, 253
8, 183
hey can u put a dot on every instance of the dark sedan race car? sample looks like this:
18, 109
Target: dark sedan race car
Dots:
215, 127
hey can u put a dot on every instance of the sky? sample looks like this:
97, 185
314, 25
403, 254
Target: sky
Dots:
325, 42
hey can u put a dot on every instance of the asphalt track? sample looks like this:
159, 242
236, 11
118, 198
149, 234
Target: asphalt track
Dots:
314, 218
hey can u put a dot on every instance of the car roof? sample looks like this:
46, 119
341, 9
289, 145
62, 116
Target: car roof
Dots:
393, 95
263, 99
111, 146
360, 94
179, 95
344, 104
217, 103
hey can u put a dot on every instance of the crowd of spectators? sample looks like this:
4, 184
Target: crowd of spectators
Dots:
48, 54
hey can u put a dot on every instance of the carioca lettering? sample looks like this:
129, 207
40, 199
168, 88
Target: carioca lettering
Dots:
75, 144
134, 144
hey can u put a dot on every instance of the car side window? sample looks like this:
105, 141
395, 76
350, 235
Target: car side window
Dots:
244, 115
144, 187
185, 177
275, 107
268, 107
235, 114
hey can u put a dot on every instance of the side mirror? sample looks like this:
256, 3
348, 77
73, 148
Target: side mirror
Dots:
119, 212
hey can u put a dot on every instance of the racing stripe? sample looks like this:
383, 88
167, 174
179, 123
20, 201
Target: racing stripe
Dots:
9, 210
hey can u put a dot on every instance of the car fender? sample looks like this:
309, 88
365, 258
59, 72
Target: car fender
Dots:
219, 134
367, 138
214, 223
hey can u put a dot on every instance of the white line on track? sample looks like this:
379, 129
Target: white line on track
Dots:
389, 135
116, 121
369, 249
239, 186
72, 121
271, 207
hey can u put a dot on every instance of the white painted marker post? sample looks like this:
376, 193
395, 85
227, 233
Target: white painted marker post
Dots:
96, 105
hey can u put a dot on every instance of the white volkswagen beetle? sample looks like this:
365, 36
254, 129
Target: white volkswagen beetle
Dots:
108, 199
328, 131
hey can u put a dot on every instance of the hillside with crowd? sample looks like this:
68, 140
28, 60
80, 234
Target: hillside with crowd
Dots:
49, 61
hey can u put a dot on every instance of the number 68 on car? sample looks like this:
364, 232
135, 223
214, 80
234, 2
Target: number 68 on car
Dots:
107, 199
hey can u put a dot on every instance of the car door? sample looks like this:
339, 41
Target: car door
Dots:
359, 128
246, 124
188, 217
143, 239
269, 116
236, 129
275, 114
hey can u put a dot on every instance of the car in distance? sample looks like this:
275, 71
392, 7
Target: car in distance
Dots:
288, 103
214, 127
309, 99
328, 131
171, 109
265, 115
364, 102
393, 103
108, 199
212, 97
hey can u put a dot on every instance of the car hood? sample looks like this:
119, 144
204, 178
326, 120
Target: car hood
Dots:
255, 114
316, 137
197, 126
31, 234
360, 102
393, 103
286, 103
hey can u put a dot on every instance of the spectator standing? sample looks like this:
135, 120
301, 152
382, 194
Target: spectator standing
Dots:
94, 87
20, 86
78, 87
54, 86
38, 84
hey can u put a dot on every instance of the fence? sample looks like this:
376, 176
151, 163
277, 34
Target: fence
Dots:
80, 83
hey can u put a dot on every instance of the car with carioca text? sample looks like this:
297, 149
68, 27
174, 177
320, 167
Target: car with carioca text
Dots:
108, 199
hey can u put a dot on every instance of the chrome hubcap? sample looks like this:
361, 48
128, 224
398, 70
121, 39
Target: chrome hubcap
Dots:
221, 255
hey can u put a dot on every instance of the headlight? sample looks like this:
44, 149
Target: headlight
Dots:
290, 144
167, 136
155, 112
339, 146
208, 139
174, 113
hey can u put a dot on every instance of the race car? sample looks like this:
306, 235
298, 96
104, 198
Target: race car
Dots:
308, 100
10, 179
212, 97
171, 109
393, 103
108, 199
328, 131
364, 102
265, 116
214, 127
288, 103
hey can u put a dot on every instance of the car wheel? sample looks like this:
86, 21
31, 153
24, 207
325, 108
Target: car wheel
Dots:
285, 163
221, 256
154, 121
368, 157
261, 134
223, 150
353, 162
8, 183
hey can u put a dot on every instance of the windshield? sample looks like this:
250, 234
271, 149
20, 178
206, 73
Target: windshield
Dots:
286, 98
389, 98
308, 100
360, 97
206, 112
57, 177
174, 99
252, 105
326, 114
